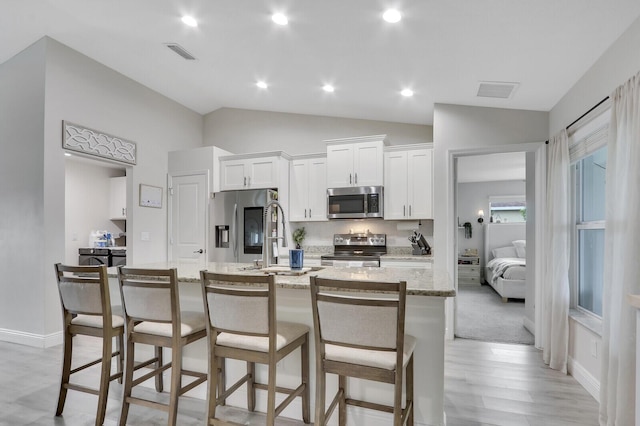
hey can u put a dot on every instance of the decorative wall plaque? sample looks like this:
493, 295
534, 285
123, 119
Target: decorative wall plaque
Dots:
96, 143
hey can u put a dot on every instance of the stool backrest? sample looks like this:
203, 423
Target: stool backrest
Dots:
83, 289
150, 294
240, 304
351, 314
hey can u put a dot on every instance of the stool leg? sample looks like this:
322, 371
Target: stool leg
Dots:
321, 381
159, 381
342, 405
128, 379
271, 394
409, 385
251, 389
176, 385
222, 377
214, 376
304, 355
104, 379
66, 371
120, 349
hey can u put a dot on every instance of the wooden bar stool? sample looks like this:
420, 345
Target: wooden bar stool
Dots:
360, 335
86, 310
151, 304
242, 325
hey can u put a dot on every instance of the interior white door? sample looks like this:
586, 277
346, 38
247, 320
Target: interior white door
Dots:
188, 218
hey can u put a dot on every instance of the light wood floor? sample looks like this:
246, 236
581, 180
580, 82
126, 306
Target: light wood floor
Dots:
485, 384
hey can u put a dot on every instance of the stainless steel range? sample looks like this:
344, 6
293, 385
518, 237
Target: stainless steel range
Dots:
356, 250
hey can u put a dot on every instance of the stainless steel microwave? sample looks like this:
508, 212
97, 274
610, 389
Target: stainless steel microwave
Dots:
361, 202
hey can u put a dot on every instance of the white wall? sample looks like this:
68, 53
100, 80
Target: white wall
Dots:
85, 92
242, 131
22, 298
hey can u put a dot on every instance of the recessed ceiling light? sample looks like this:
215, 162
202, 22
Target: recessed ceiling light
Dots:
66, 154
392, 16
190, 21
407, 93
328, 88
280, 19
261, 84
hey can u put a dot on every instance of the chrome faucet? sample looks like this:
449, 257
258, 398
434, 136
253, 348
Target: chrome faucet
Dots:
267, 238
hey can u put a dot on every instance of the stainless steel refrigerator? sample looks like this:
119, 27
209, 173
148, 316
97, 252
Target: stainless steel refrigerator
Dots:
236, 219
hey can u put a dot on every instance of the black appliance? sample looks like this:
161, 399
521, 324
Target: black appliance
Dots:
94, 257
362, 202
356, 250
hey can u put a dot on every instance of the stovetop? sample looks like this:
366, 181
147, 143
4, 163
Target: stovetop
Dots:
357, 247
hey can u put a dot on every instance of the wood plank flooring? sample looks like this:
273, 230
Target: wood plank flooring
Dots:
485, 384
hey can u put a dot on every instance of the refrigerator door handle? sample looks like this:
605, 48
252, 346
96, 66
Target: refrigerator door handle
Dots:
234, 232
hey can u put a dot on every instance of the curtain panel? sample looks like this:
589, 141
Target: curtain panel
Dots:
621, 265
555, 327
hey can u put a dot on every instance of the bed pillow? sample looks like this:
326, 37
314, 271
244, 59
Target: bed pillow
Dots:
509, 251
520, 246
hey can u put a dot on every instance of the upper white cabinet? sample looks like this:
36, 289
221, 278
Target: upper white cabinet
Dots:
308, 189
250, 173
355, 161
118, 198
408, 186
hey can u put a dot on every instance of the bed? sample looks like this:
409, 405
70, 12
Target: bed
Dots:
505, 259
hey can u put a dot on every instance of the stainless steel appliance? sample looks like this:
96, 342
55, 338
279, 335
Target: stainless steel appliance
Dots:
236, 219
356, 250
94, 257
361, 202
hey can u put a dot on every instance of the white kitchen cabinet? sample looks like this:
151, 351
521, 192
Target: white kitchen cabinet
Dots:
406, 263
118, 198
249, 173
355, 161
308, 183
408, 186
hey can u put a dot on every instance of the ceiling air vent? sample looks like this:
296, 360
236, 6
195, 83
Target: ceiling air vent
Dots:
496, 89
180, 51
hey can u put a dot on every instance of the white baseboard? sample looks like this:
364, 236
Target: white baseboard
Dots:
586, 379
31, 339
529, 325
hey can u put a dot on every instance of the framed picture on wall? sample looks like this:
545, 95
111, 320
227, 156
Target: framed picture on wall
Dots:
150, 196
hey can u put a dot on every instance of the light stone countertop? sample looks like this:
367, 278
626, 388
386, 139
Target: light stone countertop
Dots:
420, 281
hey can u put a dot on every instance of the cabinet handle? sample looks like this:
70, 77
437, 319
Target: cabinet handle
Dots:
309, 213
356, 181
124, 211
350, 179
245, 181
409, 210
249, 180
404, 211
305, 213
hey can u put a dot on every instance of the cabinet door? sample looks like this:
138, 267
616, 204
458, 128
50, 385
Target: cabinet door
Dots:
339, 166
395, 186
420, 184
317, 189
263, 173
233, 175
299, 190
368, 164
118, 198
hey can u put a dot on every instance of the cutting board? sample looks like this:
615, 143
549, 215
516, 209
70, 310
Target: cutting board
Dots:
285, 270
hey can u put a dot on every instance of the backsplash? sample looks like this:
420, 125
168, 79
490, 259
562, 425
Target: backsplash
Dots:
319, 238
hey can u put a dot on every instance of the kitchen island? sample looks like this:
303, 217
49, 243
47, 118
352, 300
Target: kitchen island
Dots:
427, 291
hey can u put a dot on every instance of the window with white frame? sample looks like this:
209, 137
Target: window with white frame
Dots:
588, 154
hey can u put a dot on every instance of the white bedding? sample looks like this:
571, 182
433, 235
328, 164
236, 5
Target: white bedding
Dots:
510, 268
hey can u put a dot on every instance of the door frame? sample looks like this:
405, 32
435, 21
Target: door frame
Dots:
537, 229
207, 196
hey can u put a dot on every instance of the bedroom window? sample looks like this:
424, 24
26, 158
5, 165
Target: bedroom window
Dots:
589, 175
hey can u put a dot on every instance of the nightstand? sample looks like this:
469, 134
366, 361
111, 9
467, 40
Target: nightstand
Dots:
469, 271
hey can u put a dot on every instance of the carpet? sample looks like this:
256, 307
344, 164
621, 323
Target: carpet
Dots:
481, 315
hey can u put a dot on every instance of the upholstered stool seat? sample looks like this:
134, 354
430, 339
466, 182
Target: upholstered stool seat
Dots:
152, 315
86, 307
242, 325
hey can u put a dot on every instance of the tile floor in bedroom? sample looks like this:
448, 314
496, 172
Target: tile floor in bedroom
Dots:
485, 384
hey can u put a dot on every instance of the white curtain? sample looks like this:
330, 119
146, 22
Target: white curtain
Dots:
555, 327
622, 257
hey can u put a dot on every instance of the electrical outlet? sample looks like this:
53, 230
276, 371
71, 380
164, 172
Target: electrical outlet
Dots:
594, 348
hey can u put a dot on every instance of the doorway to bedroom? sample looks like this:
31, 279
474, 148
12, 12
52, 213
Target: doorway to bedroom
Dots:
491, 208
